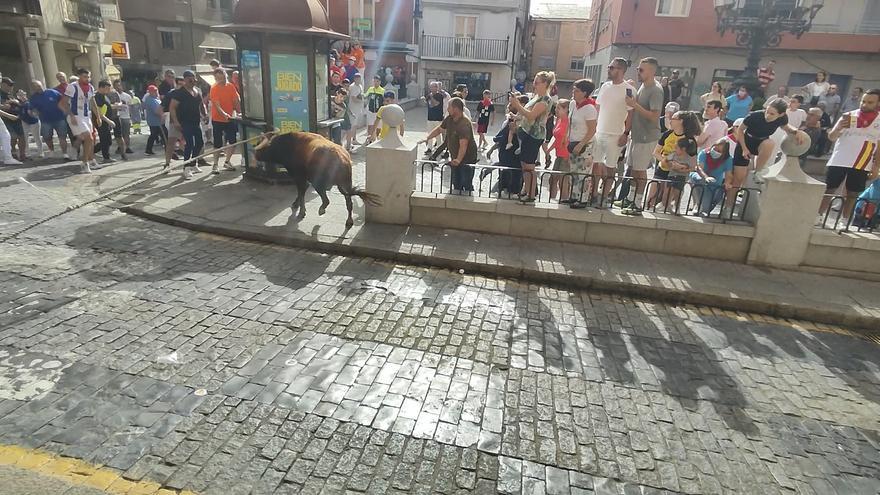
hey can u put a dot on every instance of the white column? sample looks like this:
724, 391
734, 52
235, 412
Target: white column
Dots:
96, 64
390, 172
50, 63
36, 64
787, 211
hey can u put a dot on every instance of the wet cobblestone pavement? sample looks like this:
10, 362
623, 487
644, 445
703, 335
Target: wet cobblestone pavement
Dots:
207, 364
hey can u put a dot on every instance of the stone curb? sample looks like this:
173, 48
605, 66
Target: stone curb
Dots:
586, 282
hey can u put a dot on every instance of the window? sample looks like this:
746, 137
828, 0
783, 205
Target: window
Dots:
226, 57
580, 32
577, 64
594, 73
169, 37
546, 62
109, 11
674, 8
551, 32
466, 26
362, 16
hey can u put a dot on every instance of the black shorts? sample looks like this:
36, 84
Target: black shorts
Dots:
224, 132
753, 143
661, 174
677, 181
856, 180
529, 147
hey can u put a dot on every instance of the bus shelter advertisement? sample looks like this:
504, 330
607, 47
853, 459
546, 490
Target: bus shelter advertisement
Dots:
290, 92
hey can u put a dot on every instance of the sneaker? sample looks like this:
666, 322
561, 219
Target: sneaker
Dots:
195, 169
578, 205
108, 161
202, 162
94, 165
228, 166
215, 170
632, 211
175, 156
128, 151
12, 161
149, 153
166, 168
66, 157
84, 168
187, 173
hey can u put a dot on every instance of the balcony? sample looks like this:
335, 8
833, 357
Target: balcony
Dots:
469, 49
82, 14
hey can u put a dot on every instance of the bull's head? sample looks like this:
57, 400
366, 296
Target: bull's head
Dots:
261, 149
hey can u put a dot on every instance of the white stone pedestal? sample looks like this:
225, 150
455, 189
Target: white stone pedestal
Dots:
788, 207
390, 174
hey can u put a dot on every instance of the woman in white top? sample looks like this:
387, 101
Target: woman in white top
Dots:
581, 129
818, 88
715, 94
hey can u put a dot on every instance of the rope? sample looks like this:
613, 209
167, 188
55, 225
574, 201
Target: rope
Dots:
112, 192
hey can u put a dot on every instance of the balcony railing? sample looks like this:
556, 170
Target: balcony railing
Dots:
83, 14
450, 47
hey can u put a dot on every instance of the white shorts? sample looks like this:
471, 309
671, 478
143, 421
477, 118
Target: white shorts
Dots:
371, 118
639, 156
606, 150
80, 125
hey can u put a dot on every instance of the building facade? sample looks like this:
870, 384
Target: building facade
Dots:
41, 37
478, 43
681, 34
558, 41
174, 34
387, 31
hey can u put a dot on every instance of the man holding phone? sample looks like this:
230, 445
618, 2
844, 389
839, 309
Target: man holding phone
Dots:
645, 131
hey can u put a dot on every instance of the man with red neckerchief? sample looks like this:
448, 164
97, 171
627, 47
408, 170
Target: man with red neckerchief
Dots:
856, 153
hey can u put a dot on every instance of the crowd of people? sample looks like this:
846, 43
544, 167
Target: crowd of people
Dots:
87, 118
605, 141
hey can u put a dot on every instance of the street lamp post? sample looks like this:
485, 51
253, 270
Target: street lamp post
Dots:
760, 24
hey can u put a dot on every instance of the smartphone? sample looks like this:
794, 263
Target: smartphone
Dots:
629, 93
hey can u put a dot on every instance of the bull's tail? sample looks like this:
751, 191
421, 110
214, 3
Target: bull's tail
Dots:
368, 197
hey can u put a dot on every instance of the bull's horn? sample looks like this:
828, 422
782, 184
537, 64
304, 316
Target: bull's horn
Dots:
263, 143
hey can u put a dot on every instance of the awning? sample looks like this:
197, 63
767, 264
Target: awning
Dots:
218, 41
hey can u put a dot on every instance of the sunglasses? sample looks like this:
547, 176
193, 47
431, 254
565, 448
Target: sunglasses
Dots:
614, 67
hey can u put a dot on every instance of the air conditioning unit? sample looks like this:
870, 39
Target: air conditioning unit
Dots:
32, 33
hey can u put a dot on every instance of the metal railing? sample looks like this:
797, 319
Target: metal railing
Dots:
82, 13
862, 216
586, 191
464, 48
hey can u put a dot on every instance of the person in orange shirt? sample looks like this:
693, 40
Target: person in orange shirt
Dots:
357, 51
225, 107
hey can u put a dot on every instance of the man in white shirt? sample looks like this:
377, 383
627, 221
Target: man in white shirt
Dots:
615, 119
796, 114
123, 112
713, 128
355, 107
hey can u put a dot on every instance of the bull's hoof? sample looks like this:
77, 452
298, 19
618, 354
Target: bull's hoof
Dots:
301, 215
349, 223
322, 210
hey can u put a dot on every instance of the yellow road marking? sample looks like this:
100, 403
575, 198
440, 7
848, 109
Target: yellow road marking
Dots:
80, 473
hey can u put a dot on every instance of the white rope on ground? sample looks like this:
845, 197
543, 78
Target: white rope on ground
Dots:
119, 189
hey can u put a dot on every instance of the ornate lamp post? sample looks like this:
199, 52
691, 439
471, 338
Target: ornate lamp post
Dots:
761, 23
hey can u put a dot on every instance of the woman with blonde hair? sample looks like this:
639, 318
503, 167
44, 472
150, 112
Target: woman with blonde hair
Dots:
533, 129
716, 93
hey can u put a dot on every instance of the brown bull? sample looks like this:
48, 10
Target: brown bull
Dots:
313, 159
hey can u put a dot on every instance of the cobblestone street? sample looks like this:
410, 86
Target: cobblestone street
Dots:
192, 362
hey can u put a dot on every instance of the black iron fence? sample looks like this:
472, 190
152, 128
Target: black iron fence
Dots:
587, 191
859, 215
464, 48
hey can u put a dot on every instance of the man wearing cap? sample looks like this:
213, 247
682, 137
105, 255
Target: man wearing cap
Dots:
676, 86
173, 135
381, 128
187, 111
153, 111
350, 68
